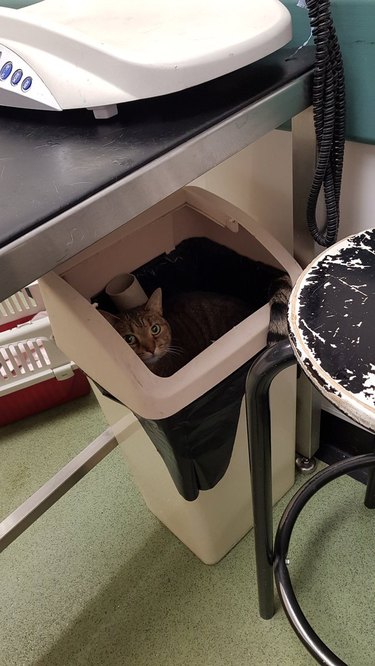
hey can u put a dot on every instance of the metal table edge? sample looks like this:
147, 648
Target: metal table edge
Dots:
76, 229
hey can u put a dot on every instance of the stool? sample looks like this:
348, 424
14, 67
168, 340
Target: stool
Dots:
332, 331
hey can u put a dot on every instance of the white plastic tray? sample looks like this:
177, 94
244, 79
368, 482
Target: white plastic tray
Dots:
28, 352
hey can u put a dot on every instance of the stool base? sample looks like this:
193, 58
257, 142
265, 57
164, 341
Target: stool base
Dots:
264, 369
303, 629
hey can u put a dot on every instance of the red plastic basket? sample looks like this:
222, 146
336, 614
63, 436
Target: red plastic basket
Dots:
28, 374
39, 397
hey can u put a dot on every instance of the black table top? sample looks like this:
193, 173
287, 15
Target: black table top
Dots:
50, 161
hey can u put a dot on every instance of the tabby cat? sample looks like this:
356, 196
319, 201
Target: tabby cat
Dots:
192, 322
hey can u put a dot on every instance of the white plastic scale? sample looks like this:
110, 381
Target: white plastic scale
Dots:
66, 54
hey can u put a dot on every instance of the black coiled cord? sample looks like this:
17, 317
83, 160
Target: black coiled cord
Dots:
329, 120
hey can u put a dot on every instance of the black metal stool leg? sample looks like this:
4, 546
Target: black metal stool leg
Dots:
265, 367
370, 489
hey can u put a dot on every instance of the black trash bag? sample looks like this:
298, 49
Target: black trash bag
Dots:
200, 264
196, 443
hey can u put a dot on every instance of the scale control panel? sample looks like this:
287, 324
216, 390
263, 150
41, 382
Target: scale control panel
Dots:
18, 78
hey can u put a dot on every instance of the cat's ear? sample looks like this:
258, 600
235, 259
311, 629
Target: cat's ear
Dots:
154, 303
111, 318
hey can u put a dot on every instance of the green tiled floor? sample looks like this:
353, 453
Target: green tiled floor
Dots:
99, 581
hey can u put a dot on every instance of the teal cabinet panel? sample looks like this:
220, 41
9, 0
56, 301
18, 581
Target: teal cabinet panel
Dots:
355, 26
17, 4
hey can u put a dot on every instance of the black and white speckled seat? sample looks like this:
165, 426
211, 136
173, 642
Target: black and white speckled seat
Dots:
332, 336
332, 325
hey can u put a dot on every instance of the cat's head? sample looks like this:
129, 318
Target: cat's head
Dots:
144, 328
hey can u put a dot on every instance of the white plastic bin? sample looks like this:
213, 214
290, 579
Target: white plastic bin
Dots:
219, 517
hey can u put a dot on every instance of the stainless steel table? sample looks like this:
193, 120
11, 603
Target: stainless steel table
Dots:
66, 181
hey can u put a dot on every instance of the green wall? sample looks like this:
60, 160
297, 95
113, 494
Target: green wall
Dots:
355, 27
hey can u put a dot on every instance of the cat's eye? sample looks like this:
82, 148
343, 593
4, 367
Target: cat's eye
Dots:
155, 329
130, 339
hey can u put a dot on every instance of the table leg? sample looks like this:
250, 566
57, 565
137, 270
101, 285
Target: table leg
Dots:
370, 490
303, 165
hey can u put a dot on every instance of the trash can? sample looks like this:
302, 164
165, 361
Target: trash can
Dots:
188, 448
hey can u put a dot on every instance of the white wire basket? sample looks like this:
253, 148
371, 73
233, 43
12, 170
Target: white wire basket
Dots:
25, 303
30, 356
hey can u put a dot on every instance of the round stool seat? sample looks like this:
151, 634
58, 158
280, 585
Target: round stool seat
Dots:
332, 325
332, 332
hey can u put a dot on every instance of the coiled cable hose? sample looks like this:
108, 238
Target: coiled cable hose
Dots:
329, 121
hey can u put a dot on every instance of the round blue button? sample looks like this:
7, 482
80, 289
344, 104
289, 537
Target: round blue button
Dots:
16, 77
26, 83
6, 70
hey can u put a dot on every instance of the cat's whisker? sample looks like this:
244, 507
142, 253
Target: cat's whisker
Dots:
175, 348
174, 352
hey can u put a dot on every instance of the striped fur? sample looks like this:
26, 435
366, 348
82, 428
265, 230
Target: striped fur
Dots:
278, 326
193, 321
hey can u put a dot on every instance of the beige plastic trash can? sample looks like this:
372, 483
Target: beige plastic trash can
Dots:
218, 518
